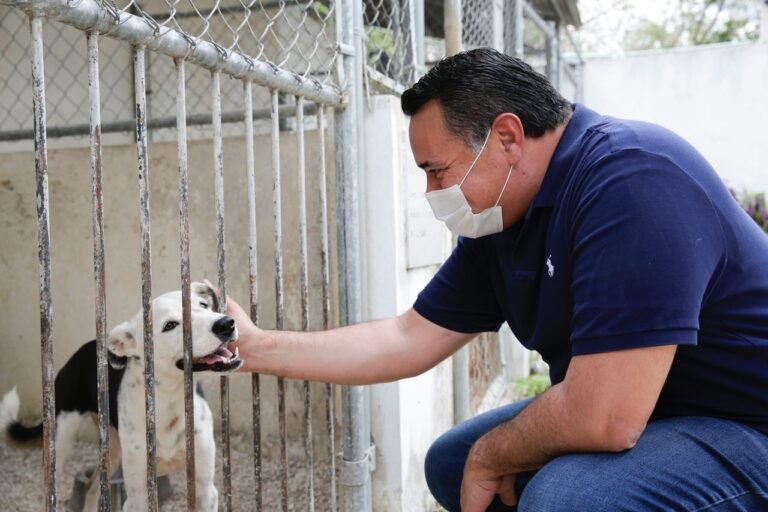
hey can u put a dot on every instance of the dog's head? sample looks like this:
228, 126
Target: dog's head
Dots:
211, 333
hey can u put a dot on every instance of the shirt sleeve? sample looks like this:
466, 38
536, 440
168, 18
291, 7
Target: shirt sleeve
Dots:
460, 296
647, 244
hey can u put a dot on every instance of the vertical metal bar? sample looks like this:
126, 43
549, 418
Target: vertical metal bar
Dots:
102, 381
304, 290
279, 299
44, 259
411, 58
146, 272
253, 284
218, 163
186, 284
452, 26
518, 24
356, 481
326, 293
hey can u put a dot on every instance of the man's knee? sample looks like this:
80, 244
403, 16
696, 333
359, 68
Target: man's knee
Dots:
444, 467
564, 485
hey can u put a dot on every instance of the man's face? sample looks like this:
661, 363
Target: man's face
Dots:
446, 159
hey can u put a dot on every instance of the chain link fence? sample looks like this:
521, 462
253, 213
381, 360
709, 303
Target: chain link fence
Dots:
291, 35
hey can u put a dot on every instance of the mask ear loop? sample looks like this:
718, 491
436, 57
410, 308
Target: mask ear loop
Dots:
505, 185
488, 136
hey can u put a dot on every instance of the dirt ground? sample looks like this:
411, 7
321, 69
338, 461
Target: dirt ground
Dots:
21, 487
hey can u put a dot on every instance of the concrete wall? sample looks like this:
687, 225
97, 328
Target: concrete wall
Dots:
405, 247
714, 96
72, 253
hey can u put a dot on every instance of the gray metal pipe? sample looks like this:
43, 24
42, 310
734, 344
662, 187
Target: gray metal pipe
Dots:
304, 296
186, 281
44, 262
356, 440
452, 26
279, 298
537, 20
89, 15
146, 273
326, 298
152, 124
253, 288
98, 270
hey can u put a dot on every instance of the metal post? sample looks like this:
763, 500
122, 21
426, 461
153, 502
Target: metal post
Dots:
553, 54
355, 471
514, 38
186, 284
304, 293
253, 285
326, 293
279, 299
411, 52
146, 272
102, 379
452, 26
218, 165
44, 259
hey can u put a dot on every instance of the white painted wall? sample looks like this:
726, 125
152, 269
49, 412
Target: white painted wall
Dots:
406, 416
714, 96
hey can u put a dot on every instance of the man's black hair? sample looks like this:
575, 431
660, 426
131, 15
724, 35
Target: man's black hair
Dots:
475, 86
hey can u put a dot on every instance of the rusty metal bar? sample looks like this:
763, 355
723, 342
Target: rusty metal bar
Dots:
326, 293
186, 284
146, 272
102, 380
279, 299
202, 119
44, 259
253, 285
304, 293
218, 164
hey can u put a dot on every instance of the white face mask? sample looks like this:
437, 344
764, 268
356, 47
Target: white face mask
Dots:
450, 206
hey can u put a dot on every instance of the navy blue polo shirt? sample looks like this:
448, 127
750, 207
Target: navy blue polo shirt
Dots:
632, 241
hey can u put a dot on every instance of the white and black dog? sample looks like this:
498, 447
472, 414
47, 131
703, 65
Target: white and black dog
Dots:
76, 396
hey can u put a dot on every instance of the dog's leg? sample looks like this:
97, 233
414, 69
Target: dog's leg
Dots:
67, 425
205, 458
92, 498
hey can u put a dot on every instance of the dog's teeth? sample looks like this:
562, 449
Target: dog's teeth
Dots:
237, 351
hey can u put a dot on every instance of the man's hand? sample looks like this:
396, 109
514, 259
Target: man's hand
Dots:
247, 332
480, 484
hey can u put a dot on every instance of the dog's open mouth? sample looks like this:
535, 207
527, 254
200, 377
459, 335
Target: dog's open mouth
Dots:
220, 360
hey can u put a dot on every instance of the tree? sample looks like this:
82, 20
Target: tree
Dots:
629, 25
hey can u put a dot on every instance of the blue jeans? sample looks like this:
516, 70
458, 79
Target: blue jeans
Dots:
679, 464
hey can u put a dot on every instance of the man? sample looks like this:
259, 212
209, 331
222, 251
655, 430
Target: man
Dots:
613, 249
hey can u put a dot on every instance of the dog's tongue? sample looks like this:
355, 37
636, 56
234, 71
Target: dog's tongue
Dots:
222, 355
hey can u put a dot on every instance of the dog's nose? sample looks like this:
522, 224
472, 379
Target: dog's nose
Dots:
223, 328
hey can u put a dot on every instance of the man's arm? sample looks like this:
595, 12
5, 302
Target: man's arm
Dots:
602, 405
366, 353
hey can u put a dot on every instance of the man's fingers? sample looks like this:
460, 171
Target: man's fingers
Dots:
506, 490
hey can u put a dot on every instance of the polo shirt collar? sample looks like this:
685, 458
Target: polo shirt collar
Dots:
565, 152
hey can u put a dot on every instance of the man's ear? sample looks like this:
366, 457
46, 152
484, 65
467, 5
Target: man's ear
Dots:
121, 344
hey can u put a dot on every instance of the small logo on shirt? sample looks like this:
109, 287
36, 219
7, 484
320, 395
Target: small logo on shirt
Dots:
550, 266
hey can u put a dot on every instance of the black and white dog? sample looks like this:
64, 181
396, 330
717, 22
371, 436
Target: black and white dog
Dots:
76, 396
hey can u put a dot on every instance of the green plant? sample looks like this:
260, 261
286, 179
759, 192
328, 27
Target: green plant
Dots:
531, 386
755, 206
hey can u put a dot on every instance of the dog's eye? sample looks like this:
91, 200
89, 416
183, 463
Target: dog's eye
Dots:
204, 305
170, 325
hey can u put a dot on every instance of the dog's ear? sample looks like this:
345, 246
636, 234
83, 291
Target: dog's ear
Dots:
203, 290
121, 344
